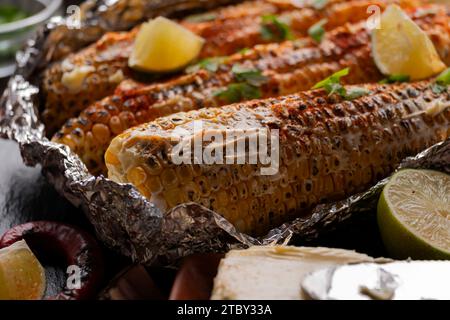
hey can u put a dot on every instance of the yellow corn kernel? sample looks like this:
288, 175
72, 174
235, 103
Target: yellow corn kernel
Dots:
137, 176
184, 173
101, 133
174, 197
154, 184
222, 198
203, 184
169, 178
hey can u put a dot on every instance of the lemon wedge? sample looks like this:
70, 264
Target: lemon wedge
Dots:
163, 45
414, 215
399, 46
21, 275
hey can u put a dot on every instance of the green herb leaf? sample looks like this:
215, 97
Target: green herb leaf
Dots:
333, 79
332, 86
319, 4
236, 92
209, 64
272, 29
356, 92
444, 77
244, 50
201, 17
441, 82
395, 78
253, 77
317, 30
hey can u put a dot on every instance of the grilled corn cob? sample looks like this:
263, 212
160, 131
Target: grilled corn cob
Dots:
93, 73
289, 67
329, 148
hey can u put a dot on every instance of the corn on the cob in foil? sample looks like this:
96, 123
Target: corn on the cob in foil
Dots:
289, 67
99, 68
329, 148
122, 218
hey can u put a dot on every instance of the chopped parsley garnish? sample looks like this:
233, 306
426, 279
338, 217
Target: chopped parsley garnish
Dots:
334, 79
209, 64
272, 29
319, 4
442, 81
244, 50
317, 30
201, 17
444, 78
253, 77
332, 85
236, 92
247, 86
395, 78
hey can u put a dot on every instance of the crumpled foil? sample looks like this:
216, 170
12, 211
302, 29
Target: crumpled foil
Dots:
122, 217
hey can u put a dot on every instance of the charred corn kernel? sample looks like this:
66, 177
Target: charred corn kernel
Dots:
284, 178
192, 191
290, 68
153, 166
214, 182
270, 200
234, 196
203, 185
242, 190
302, 202
70, 142
225, 177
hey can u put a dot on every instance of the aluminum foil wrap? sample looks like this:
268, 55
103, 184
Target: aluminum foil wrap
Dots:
122, 217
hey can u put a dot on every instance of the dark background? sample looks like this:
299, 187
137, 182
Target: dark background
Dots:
26, 196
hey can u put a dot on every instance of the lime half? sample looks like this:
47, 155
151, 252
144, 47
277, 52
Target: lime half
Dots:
414, 215
21, 275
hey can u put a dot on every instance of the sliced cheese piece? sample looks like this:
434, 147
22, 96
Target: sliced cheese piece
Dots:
274, 272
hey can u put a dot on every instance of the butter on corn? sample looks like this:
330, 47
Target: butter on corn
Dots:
329, 149
74, 79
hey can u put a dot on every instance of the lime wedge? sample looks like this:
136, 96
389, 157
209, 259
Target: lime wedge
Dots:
163, 45
399, 46
414, 215
21, 275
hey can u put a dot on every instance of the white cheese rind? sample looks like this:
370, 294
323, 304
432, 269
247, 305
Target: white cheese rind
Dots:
275, 272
